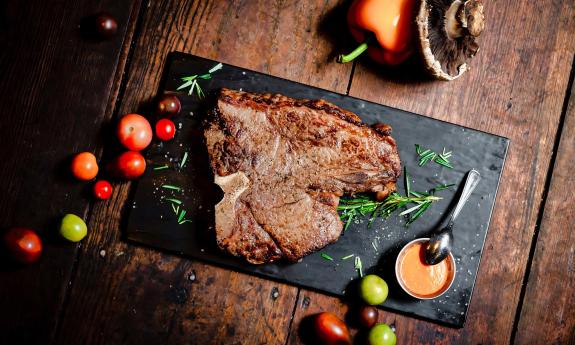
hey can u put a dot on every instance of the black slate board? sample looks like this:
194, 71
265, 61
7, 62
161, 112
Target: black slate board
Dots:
153, 222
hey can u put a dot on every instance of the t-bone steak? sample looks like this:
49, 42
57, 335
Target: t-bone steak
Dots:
283, 164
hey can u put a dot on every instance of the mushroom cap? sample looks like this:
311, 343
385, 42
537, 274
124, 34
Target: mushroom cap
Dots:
447, 32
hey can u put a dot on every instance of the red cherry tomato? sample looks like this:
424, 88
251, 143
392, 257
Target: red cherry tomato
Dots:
102, 190
331, 330
24, 245
169, 105
165, 129
130, 165
84, 166
134, 132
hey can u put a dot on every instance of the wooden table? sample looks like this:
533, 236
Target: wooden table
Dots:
60, 93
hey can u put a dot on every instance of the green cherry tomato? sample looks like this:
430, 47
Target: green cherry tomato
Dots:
381, 334
73, 228
373, 289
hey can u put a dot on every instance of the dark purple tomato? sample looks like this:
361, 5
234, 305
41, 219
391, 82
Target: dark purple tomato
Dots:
367, 316
168, 105
106, 25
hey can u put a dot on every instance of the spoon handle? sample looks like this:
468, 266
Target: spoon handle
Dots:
471, 182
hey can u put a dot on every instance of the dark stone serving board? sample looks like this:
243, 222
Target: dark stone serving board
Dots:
153, 222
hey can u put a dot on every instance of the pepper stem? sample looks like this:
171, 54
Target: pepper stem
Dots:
355, 53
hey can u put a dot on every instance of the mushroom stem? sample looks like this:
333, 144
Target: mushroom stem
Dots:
464, 18
355, 53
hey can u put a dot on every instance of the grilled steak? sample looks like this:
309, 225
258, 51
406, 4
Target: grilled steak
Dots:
283, 164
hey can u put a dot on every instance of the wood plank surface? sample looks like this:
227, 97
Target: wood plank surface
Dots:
516, 89
138, 295
55, 88
547, 309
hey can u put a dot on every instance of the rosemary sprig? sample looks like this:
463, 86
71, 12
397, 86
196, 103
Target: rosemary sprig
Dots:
353, 208
361, 205
326, 257
428, 155
193, 84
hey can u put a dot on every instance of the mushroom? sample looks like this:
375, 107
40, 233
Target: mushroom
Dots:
447, 35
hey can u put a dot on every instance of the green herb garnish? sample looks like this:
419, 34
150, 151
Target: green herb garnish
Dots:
175, 201
162, 167
428, 155
327, 257
169, 186
175, 208
184, 159
442, 187
348, 257
363, 205
181, 216
192, 81
359, 266
407, 183
353, 208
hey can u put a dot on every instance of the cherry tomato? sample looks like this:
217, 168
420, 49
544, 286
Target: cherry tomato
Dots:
331, 330
130, 165
85, 166
134, 132
168, 105
106, 25
381, 334
165, 129
73, 228
367, 316
373, 289
24, 245
102, 190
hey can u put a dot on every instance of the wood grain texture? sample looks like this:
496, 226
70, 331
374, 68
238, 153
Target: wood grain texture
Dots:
136, 295
547, 310
55, 88
515, 89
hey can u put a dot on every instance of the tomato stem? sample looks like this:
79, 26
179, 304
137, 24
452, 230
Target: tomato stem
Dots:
354, 54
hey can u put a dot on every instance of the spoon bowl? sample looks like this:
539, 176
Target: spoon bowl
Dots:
439, 246
441, 242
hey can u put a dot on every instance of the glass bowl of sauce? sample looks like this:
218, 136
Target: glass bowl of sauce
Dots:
417, 278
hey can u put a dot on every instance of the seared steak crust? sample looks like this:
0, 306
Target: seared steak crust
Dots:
283, 164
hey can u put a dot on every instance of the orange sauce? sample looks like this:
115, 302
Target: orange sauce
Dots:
421, 279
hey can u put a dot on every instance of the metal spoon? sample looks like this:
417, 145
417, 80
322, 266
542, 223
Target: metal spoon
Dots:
440, 243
